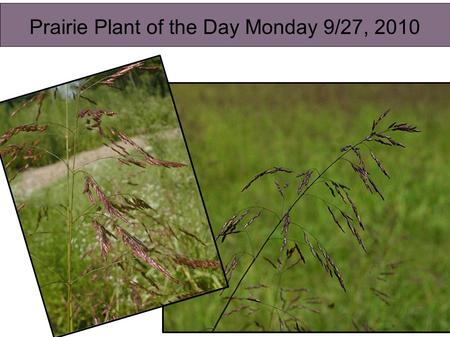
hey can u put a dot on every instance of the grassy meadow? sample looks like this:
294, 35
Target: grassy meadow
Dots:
235, 131
158, 207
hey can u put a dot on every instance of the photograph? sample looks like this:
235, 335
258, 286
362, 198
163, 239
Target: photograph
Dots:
328, 202
107, 197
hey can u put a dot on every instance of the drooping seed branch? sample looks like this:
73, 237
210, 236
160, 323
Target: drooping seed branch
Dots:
261, 248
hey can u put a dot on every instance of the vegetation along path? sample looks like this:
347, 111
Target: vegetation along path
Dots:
36, 178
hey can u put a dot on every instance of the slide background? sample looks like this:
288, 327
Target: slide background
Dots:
28, 69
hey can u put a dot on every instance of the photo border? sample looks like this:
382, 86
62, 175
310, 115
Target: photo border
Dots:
164, 331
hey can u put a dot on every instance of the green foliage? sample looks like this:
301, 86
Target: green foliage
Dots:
236, 131
139, 109
80, 286
174, 196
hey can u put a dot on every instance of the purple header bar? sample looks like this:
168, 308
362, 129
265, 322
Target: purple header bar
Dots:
227, 25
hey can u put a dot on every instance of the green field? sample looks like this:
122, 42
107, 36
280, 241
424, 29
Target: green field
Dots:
236, 131
170, 225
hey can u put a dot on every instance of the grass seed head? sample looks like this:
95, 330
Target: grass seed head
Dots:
196, 264
21, 128
266, 172
141, 252
102, 238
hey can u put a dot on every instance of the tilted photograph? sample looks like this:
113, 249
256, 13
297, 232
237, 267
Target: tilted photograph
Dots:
107, 197
329, 205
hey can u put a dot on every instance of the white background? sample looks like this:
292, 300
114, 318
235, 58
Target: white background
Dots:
28, 69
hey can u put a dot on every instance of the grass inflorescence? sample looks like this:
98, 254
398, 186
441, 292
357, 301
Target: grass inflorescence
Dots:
288, 319
119, 232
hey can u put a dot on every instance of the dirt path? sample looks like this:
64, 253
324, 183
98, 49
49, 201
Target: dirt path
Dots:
36, 178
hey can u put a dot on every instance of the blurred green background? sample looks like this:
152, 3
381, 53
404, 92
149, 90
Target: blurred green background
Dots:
235, 131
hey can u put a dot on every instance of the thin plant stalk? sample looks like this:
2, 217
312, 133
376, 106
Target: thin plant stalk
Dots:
68, 222
252, 262
70, 201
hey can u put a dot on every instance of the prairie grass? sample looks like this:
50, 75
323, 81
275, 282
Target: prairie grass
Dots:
151, 113
400, 284
119, 234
